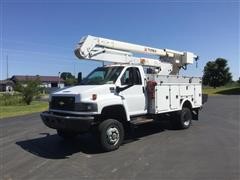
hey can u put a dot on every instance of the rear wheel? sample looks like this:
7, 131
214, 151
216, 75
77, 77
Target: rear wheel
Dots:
66, 134
111, 134
184, 119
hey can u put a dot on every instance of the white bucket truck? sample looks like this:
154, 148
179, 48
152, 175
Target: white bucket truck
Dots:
131, 90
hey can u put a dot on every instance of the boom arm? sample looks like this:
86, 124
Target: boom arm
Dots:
101, 49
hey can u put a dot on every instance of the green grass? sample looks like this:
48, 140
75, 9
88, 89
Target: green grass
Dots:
8, 99
18, 110
223, 90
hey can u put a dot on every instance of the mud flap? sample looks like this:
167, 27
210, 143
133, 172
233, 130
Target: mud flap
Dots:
195, 113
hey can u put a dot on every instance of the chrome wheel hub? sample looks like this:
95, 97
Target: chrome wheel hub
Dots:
113, 135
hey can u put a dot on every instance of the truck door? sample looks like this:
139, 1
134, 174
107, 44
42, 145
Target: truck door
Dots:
133, 91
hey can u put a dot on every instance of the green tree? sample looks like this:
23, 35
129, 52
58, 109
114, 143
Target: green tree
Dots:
70, 81
29, 89
66, 75
68, 78
216, 73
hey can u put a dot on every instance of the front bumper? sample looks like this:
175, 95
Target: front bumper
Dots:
68, 122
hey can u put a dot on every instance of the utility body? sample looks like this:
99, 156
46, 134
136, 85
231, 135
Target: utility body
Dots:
129, 91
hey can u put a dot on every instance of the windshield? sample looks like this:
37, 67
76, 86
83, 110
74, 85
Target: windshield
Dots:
102, 75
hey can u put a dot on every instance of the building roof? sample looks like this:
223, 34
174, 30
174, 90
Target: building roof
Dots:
7, 82
52, 79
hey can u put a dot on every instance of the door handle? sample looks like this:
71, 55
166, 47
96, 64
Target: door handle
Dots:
143, 90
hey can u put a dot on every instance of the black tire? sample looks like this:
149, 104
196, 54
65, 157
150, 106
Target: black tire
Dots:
111, 134
66, 134
184, 118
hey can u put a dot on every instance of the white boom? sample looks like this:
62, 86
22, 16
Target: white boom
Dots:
102, 49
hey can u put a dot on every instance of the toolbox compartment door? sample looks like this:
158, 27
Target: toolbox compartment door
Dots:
198, 95
174, 97
162, 98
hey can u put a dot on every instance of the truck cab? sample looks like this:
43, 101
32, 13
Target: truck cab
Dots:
114, 91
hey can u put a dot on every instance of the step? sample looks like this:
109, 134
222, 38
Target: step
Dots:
141, 120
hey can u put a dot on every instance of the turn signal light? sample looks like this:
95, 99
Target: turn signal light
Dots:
94, 96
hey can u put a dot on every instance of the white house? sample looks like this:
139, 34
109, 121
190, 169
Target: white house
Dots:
6, 85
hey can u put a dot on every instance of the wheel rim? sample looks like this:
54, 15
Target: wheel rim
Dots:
186, 118
113, 135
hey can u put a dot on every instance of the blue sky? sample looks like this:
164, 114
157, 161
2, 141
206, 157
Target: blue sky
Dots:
39, 36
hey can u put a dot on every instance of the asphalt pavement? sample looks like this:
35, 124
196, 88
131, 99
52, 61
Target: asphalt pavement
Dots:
210, 149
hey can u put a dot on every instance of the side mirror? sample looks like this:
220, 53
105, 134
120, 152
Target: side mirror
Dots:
118, 89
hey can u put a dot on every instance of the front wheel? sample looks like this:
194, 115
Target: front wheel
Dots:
111, 134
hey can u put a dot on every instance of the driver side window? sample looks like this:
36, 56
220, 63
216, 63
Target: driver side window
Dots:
127, 77
131, 77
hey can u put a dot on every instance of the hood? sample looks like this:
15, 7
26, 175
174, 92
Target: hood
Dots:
84, 92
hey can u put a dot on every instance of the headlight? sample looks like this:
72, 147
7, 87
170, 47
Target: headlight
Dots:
85, 107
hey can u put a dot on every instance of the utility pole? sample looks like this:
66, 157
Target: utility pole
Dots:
7, 65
